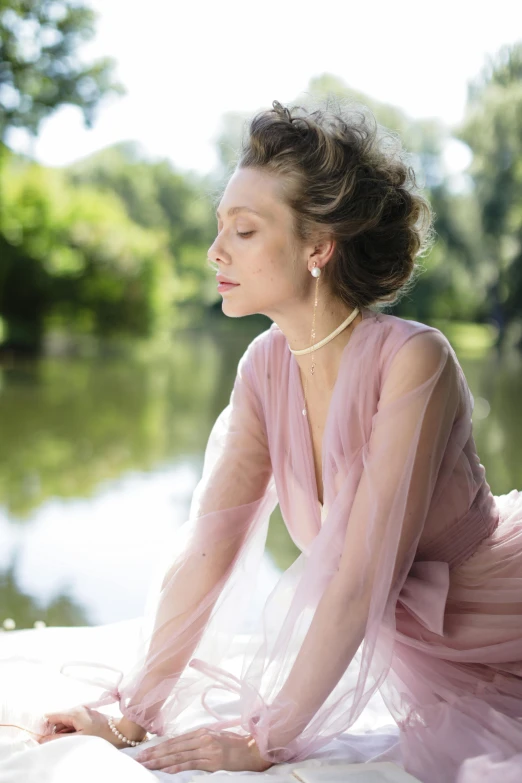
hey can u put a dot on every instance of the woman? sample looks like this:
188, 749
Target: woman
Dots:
359, 424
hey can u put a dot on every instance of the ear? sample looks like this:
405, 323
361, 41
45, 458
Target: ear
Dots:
322, 251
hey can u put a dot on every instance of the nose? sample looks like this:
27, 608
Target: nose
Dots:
215, 255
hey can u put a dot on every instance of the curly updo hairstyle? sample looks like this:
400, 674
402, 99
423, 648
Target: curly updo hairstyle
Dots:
346, 177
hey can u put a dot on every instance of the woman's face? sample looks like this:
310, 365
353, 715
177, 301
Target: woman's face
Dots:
255, 248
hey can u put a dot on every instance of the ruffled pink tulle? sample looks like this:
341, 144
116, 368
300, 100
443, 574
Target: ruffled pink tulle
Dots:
467, 684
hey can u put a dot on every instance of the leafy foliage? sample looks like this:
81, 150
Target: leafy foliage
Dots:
73, 253
493, 130
40, 66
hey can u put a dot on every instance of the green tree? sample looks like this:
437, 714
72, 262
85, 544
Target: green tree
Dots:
156, 196
492, 128
40, 70
40, 66
72, 253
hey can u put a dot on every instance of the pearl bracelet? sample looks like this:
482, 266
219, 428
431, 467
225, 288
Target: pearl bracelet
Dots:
120, 736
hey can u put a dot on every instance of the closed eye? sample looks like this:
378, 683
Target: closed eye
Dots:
245, 233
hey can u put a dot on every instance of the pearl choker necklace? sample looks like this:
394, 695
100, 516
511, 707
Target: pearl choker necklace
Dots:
327, 339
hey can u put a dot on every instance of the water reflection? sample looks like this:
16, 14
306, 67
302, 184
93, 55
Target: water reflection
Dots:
99, 459
68, 425
101, 552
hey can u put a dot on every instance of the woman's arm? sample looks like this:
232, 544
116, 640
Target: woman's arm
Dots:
229, 505
410, 433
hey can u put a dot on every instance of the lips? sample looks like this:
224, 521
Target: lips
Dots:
226, 280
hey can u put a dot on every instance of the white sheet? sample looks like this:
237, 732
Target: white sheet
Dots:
29, 689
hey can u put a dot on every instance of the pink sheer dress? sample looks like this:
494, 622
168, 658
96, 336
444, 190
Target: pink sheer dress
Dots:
409, 579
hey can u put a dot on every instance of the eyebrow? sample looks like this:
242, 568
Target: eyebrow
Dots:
235, 210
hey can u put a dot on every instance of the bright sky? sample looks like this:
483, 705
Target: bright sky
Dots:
186, 63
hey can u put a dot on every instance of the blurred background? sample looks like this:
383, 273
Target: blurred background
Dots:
119, 124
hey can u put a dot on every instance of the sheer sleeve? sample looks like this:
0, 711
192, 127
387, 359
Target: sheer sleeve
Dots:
209, 581
324, 642
344, 601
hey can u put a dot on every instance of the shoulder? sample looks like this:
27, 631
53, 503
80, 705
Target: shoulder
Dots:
402, 329
418, 356
426, 345
405, 342
269, 341
254, 360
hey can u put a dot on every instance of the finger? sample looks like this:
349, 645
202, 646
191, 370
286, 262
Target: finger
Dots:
174, 758
204, 764
189, 760
50, 737
174, 745
57, 731
64, 718
61, 727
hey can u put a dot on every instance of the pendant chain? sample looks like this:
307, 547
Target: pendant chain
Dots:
312, 342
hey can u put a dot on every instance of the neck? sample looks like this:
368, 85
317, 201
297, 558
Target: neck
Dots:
297, 328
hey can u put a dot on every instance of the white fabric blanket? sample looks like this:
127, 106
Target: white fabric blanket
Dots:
31, 685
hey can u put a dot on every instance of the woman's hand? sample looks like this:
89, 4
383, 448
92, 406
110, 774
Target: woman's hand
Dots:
206, 750
81, 720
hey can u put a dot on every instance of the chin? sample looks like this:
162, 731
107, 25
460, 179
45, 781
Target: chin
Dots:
236, 310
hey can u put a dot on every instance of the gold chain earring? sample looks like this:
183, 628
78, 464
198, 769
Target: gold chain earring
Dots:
316, 272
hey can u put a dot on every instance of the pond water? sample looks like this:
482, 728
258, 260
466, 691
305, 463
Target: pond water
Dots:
99, 458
